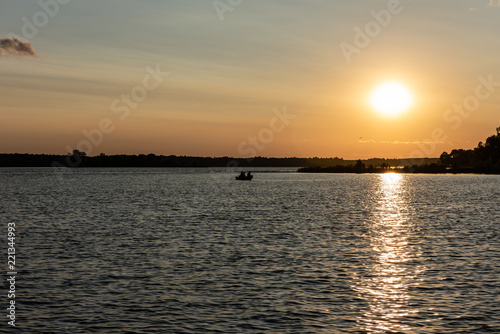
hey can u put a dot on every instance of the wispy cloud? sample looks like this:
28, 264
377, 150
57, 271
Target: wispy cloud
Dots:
397, 142
16, 47
493, 3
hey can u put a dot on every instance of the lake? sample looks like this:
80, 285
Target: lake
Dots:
194, 251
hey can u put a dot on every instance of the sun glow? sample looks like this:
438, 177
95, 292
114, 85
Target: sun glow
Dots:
391, 98
387, 282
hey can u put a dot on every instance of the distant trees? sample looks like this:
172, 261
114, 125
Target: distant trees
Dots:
485, 158
359, 165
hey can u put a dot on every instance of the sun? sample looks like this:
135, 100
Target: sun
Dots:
391, 98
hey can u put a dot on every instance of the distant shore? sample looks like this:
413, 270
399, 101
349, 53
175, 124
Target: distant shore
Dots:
425, 169
484, 159
79, 159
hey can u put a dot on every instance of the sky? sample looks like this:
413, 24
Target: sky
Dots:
247, 77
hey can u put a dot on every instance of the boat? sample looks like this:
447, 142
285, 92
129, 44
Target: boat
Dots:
243, 177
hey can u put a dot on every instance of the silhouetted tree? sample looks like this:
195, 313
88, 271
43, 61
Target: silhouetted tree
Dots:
359, 165
484, 158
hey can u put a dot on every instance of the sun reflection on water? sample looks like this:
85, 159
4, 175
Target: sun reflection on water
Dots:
384, 285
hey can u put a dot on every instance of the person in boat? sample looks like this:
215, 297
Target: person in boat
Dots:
242, 174
249, 174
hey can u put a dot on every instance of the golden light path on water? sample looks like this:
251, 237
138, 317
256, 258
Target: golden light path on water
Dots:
385, 285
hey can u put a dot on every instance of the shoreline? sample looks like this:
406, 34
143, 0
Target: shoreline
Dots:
426, 169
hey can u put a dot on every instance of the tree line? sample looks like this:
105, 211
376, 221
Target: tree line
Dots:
484, 159
80, 159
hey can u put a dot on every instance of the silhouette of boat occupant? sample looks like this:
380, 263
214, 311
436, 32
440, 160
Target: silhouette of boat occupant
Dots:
246, 177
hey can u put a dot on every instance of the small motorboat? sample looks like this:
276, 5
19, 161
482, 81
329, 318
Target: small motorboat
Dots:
243, 177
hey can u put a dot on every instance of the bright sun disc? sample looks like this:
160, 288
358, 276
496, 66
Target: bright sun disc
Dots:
391, 98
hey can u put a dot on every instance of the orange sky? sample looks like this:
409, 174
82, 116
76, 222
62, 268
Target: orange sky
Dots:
218, 78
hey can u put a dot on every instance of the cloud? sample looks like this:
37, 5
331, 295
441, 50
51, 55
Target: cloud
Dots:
493, 3
16, 47
416, 142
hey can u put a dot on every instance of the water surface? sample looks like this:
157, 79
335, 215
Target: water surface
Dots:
193, 251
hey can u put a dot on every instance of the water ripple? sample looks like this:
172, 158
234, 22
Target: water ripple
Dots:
192, 251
